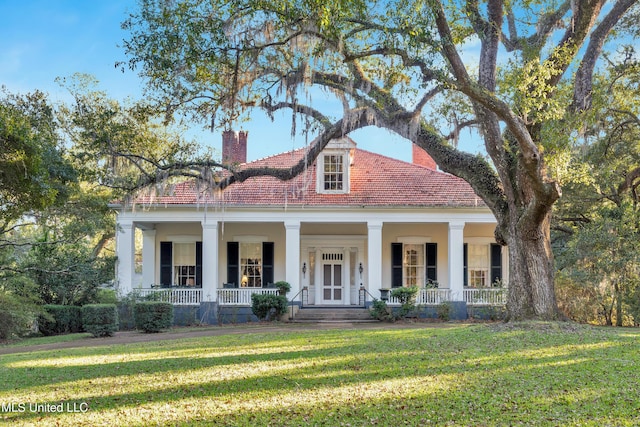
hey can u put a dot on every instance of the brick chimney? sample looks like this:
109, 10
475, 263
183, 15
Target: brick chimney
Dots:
234, 146
422, 158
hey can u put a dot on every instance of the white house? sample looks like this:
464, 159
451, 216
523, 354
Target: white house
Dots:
353, 224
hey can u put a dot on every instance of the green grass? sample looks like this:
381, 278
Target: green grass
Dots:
27, 342
478, 375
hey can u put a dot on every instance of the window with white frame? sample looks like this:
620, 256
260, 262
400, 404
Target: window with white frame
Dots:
250, 265
334, 172
413, 265
478, 265
184, 264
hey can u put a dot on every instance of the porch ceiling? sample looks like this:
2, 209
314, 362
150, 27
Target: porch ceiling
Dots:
323, 229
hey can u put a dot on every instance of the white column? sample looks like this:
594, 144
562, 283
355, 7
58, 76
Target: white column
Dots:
292, 264
148, 258
319, 279
456, 260
209, 260
125, 250
346, 277
374, 258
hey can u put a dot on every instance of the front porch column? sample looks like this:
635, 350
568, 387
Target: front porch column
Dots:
126, 248
148, 258
292, 264
209, 261
374, 258
456, 260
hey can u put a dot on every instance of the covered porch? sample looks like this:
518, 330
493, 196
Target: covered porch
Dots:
328, 259
242, 297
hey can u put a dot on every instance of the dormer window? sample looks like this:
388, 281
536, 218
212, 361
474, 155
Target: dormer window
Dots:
334, 172
333, 167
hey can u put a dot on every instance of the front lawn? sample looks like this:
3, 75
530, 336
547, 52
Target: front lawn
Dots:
475, 375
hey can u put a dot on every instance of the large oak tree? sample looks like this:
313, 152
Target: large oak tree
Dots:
504, 67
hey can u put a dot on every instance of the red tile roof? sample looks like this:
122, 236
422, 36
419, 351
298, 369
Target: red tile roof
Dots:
376, 180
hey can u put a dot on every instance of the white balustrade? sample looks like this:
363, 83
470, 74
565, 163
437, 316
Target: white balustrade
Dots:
176, 296
241, 296
472, 296
427, 297
485, 296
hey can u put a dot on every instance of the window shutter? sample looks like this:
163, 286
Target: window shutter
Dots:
465, 264
233, 264
166, 263
431, 257
267, 263
496, 262
199, 264
396, 265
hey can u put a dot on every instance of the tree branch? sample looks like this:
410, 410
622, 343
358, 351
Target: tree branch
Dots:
584, 75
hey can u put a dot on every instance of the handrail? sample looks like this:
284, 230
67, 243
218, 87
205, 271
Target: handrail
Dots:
364, 291
301, 291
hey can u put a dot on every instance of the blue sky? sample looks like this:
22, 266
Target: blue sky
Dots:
44, 39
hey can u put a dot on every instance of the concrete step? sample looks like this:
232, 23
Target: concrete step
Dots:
321, 314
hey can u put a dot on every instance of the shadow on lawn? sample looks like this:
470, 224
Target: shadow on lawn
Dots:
512, 374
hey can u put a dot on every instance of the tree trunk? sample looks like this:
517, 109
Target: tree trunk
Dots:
618, 301
531, 272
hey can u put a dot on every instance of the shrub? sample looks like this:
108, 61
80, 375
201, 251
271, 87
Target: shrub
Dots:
444, 311
60, 319
125, 306
283, 287
407, 298
101, 320
16, 316
380, 311
106, 296
153, 316
267, 306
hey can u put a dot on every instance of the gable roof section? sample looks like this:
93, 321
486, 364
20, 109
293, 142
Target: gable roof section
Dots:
376, 181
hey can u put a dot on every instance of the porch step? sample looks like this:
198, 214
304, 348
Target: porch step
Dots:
333, 315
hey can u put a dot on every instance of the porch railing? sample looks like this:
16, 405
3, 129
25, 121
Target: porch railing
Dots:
427, 297
176, 296
488, 296
473, 297
241, 296
180, 296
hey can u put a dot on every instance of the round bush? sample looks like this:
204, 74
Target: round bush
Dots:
153, 316
268, 306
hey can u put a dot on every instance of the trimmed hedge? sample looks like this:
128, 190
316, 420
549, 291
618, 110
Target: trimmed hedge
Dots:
101, 320
60, 319
153, 316
268, 306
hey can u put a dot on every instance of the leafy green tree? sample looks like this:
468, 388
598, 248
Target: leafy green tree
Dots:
33, 171
55, 224
597, 223
123, 147
395, 64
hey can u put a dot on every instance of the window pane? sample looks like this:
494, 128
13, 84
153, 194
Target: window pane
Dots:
478, 256
312, 269
333, 176
251, 265
413, 265
184, 253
